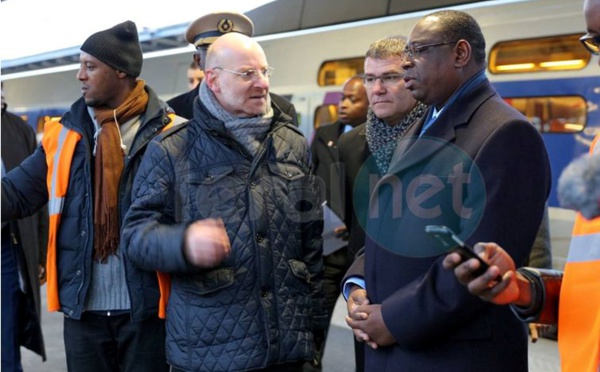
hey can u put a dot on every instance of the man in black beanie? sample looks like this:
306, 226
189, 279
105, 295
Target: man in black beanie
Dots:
84, 170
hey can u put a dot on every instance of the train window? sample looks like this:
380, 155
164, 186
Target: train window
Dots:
555, 53
336, 72
558, 114
325, 114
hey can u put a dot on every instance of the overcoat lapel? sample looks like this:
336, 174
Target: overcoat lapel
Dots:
411, 149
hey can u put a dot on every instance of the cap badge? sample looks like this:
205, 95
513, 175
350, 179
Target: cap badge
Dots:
225, 25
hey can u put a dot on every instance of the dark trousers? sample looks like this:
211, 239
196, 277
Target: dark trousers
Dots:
101, 343
335, 266
13, 301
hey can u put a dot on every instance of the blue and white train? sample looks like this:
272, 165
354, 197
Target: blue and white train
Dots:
535, 61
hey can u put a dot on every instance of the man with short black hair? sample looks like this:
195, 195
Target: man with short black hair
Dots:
84, 169
570, 299
473, 164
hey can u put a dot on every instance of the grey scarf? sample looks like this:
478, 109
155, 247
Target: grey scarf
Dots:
250, 132
382, 138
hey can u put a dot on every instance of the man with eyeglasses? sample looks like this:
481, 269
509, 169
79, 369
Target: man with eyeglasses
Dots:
471, 163
227, 205
570, 299
201, 34
367, 149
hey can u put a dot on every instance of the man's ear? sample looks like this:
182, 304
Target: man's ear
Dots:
212, 80
463, 53
121, 74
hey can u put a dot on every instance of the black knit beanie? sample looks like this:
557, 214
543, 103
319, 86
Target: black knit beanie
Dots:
118, 47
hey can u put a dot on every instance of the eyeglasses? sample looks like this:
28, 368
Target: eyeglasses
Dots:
412, 50
251, 74
591, 43
387, 80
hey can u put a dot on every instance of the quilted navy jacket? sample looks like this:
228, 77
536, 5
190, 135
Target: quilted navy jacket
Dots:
260, 306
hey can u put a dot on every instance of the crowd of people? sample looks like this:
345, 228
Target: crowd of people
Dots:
187, 235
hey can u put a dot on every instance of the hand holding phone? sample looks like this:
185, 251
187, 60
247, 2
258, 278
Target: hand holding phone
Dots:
453, 243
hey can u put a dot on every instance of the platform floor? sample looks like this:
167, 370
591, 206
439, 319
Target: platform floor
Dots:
339, 353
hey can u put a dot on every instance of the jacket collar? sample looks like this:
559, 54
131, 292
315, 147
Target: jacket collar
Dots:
79, 120
410, 150
207, 122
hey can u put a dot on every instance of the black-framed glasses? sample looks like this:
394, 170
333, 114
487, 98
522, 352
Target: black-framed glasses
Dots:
412, 50
591, 43
387, 80
250, 74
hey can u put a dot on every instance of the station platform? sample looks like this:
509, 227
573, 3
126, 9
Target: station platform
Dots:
339, 352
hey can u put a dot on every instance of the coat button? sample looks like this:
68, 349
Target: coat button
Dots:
259, 238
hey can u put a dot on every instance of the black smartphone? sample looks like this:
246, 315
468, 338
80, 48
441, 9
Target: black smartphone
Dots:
453, 244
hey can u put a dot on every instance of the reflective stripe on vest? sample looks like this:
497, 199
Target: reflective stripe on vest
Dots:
584, 248
59, 144
579, 304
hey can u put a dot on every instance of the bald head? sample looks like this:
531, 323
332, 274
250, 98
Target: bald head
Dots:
237, 74
230, 46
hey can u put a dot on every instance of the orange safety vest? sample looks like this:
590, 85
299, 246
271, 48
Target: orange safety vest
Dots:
59, 144
579, 304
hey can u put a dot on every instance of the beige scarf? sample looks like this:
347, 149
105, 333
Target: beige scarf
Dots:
108, 167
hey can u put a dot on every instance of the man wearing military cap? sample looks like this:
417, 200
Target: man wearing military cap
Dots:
202, 33
205, 30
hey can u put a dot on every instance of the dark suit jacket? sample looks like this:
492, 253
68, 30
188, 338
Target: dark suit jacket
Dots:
18, 142
482, 170
183, 105
326, 164
356, 159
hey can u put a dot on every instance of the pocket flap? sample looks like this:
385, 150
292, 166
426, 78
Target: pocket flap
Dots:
299, 270
208, 176
287, 171
211, 281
